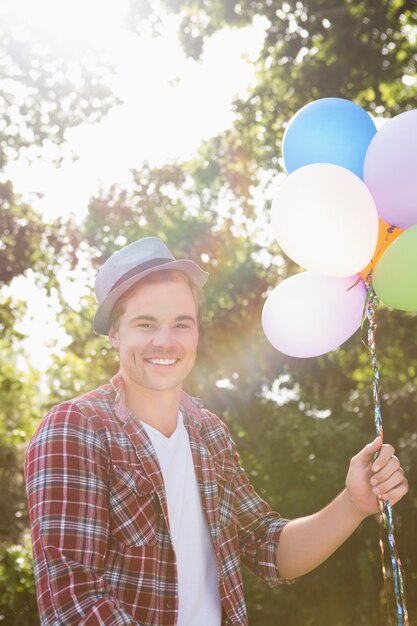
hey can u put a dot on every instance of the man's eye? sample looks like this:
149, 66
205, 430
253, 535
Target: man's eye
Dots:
183, 326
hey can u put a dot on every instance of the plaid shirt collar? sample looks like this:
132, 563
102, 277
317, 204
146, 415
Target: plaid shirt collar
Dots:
191, 407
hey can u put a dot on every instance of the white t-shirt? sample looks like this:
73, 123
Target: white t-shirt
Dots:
198, 587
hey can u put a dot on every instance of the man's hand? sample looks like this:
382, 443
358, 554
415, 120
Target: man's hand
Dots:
368, 478
308, 541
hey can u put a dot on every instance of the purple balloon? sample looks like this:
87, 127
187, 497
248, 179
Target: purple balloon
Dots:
390, 170
309, 314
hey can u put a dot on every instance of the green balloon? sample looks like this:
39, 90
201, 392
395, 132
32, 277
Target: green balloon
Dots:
395, 276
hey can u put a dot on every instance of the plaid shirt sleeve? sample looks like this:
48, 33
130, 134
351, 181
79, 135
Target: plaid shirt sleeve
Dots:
66, 476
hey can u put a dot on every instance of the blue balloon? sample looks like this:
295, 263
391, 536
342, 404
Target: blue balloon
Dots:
329, 130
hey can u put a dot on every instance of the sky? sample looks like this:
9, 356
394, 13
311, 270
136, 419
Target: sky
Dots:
169, 105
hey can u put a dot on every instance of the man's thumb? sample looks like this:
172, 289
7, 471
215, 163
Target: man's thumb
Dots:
368, 453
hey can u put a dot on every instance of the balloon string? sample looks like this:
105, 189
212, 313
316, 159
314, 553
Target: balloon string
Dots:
381, 546
397, 568
385, 510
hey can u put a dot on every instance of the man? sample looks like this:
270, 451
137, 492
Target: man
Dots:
140, 511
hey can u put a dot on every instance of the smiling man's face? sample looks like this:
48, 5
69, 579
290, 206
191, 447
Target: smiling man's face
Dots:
157, 336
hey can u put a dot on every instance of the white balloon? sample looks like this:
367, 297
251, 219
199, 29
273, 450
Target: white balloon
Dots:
325, 219
308, 314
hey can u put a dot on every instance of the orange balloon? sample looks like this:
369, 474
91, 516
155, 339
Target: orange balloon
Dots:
386, 235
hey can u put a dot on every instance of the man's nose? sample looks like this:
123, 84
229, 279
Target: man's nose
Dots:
163, 337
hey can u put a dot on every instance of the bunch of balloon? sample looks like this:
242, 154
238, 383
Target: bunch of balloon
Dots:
347, 214
347, 209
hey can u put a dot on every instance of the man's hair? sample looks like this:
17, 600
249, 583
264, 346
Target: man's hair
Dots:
161, 276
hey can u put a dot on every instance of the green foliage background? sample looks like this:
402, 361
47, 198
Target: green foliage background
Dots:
296, 422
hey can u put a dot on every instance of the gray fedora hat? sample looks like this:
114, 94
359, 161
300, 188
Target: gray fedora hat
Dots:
127, 266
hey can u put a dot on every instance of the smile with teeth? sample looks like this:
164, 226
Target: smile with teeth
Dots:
162, 361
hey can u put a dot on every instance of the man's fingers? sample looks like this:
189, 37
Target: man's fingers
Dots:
389, 468
394, 495
386, 453
393, 481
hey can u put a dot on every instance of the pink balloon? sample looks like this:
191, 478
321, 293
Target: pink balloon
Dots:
390, 170
309, 314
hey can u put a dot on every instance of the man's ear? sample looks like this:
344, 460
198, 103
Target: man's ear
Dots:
114, 337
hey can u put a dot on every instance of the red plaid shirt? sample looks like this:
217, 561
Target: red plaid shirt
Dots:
100, 529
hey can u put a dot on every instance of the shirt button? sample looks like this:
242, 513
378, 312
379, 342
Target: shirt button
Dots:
169, 604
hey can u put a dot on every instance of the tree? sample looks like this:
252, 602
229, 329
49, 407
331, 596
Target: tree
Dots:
17, 591
19, 393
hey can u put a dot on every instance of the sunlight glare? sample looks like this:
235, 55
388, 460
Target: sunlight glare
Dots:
169, 105
95, 21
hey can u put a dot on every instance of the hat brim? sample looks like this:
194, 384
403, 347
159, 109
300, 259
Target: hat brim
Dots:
101, 322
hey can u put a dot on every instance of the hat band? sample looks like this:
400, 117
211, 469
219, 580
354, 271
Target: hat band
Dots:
138, 269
